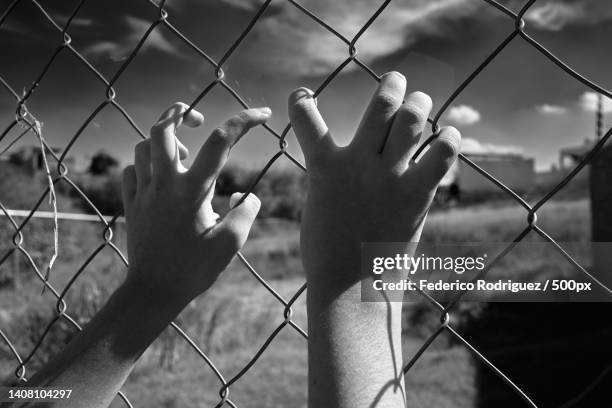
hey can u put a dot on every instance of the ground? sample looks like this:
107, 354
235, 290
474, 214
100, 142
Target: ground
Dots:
233, 320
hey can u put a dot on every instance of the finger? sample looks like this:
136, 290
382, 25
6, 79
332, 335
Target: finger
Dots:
376, 121
128, 185
238, 221
436, 162
183, 150
142, 160
212, 156
165, 153
308, 124
209, 193
142, 164
234, 198
407, 129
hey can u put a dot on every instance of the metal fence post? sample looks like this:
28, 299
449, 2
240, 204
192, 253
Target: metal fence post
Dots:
601, 216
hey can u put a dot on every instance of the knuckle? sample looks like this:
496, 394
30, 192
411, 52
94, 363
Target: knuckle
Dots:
170, 114
179, 107
384, 101
232, 236
234, 125
241, 117
158, 128
448, 146
413, 112
304, 104
141, 147
299, 94
218, 137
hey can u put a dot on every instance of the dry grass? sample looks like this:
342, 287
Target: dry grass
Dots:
235, 317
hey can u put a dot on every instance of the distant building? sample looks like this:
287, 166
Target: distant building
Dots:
569, 157
512, 169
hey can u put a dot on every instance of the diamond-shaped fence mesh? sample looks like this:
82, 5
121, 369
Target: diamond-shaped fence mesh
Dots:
57, 170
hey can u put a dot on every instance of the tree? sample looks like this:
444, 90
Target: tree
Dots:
102, 163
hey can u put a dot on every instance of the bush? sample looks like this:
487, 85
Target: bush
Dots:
103, 163
18, 188
282, 192
103, 191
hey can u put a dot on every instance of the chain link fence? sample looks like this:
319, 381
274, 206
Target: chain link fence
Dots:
26, 122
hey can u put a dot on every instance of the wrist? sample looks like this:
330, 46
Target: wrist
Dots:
344, 303
341, 269
151, 298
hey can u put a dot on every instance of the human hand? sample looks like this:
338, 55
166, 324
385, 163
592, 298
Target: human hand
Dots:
176, 248
368, 191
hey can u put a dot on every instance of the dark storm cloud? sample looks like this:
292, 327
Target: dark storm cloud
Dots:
436, 43
316, 52
119, 47
555, 15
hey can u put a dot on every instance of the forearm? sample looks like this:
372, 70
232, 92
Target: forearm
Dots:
98, 361
355, 354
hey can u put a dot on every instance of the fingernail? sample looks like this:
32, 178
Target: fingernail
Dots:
303, 93
234, 198
265, 110
393, 73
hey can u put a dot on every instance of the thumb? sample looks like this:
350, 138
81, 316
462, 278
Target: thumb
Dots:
310, 128
238, 221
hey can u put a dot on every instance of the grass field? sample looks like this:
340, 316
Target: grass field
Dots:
233, 320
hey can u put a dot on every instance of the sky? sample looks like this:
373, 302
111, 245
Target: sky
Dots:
520, 103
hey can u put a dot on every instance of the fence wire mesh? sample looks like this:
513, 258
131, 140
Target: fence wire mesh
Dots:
26, 122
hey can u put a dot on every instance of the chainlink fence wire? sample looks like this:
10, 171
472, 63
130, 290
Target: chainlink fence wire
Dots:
27, 121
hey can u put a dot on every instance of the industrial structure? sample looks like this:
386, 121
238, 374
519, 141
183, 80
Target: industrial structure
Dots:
514, 170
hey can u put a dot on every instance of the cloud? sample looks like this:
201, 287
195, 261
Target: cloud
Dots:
473, 146
556, 15
315, 51
109, 49
76, 22
16, 27
119, 50
553, 16
463, 115
547, 109
250, 5
588, 102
